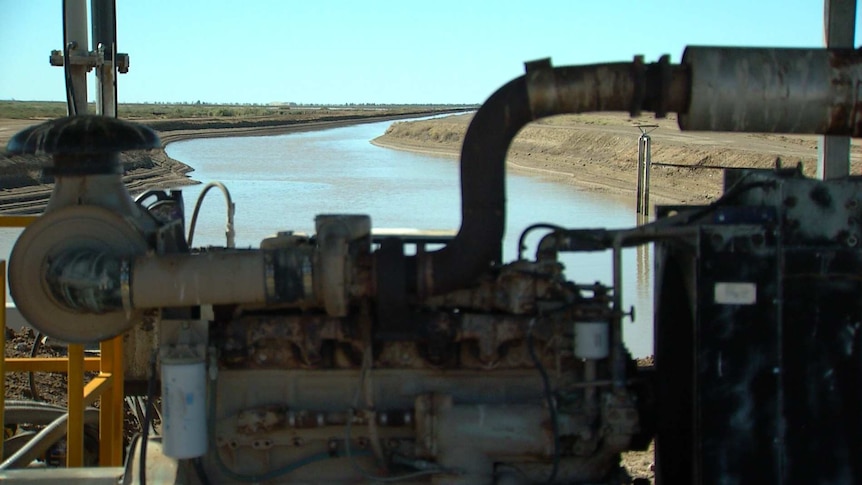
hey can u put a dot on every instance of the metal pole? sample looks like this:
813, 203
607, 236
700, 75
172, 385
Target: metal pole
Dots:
644, 160
75, 42
647, 162
833, 152
640, 172
104, 30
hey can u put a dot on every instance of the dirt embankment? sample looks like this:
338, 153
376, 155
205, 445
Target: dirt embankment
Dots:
598, 152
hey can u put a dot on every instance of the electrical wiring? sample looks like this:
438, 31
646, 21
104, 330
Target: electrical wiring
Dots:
240, 477
198, 465
148, 418
351, 456
549, 397
34, 393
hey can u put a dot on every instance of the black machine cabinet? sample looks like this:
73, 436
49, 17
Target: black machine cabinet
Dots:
758, 336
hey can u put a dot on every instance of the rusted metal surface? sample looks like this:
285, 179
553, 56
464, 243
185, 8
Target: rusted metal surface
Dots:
624, 86
183, 280
773, 90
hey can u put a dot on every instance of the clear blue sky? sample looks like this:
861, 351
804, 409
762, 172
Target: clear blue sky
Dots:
396, 51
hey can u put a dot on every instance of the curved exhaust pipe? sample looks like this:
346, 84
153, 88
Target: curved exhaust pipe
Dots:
544, 91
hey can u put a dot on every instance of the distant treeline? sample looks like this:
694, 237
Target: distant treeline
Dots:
199, 109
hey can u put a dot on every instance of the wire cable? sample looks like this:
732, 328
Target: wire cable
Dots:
549, 397
240, 477
34, 393
363, 377
148, 418
198, 465
351, 456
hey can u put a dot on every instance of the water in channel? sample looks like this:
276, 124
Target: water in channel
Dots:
281, 182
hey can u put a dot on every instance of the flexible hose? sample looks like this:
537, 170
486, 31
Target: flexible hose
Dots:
230, 234
44, 439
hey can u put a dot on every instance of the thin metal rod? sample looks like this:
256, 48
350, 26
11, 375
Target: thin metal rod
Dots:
640, 173
618, 360
647, 162
644, 160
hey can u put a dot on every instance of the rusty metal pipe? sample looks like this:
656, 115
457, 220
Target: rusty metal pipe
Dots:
544, 91
185, 280
773, 90
479, 242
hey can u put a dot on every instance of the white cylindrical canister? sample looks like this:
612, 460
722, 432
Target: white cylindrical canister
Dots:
592, 340
184, 428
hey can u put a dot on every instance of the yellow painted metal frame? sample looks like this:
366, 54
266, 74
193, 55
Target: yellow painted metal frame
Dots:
107, 385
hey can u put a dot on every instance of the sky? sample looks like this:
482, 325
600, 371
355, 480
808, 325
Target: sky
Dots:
383, 51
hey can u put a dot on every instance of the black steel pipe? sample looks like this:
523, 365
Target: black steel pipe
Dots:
479, 242
543, 91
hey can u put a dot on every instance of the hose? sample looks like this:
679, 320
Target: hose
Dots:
230, 234
44, 439
523, 239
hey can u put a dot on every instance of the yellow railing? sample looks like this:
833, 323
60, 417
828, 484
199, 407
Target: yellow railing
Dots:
107, 385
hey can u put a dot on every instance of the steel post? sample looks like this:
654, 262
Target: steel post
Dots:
647, 142
111, 409
104, 31
644, 161
640, 189
833, 152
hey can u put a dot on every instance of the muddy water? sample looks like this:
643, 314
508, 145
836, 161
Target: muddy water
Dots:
281, 182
